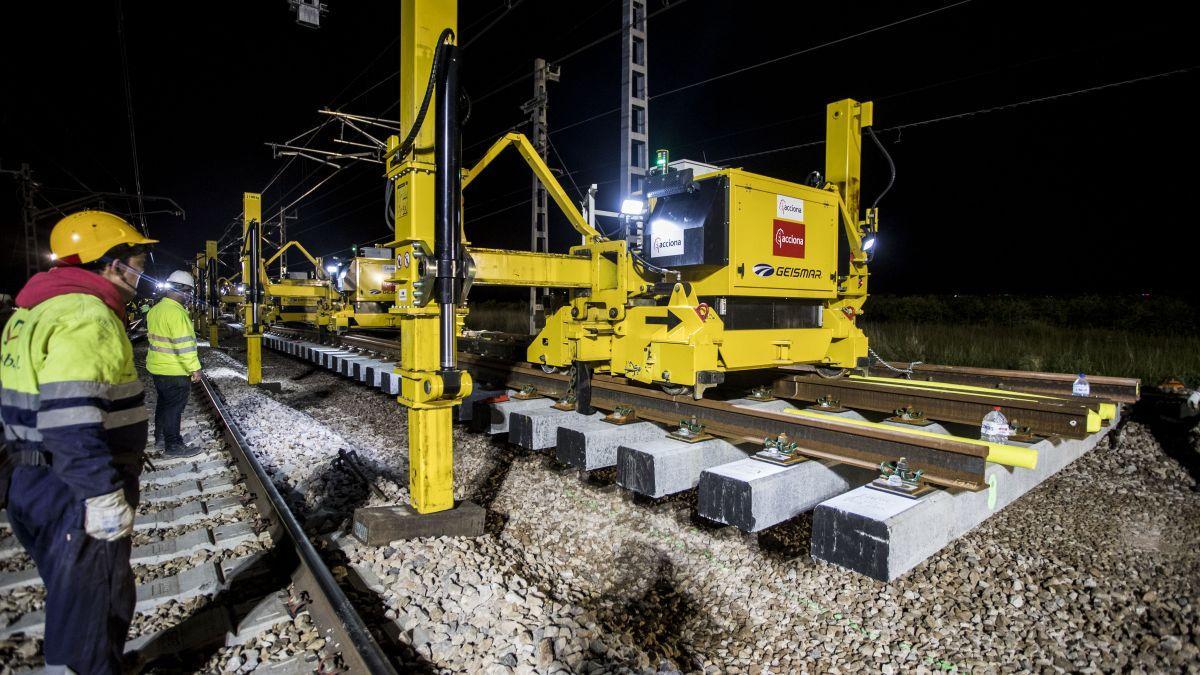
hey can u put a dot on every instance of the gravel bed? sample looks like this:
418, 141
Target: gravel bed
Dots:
1097, 569
297, 637
199, 429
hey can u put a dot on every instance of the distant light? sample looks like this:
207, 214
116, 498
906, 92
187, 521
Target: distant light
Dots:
633, 207
54, 256
332, 269
161, 285
241, 288
868, 243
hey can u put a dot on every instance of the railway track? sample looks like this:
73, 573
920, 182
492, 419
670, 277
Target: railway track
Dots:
553, 540
947, 461
797, 443
227, 578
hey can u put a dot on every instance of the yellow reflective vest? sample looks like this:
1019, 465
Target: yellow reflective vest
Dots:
68, 388
172, 340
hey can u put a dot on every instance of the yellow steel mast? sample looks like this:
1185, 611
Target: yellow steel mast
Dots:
430, 386
251, 256
211, 292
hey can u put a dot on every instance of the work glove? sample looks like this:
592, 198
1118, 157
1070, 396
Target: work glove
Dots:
108, 517
195, 376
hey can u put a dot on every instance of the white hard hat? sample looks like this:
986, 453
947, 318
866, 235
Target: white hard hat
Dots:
181, 278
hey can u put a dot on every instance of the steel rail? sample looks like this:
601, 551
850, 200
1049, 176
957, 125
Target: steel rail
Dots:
329, 606
946, 461
1043, 417
1119, 389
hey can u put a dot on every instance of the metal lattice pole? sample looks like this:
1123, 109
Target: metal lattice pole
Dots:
635, 111
33, 261
539, 225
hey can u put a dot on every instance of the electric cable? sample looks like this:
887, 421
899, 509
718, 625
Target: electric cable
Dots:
752, 66
982, 111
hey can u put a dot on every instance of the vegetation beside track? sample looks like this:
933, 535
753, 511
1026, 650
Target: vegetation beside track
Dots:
1148, 337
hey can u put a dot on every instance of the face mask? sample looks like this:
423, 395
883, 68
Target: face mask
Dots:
143, 286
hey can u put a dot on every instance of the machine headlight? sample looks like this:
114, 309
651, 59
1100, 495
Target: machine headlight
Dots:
633, 206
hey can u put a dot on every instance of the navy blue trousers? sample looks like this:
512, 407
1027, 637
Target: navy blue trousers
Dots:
168, 412
90, 592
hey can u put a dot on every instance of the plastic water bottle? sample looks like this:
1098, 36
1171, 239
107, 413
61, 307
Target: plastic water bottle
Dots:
995, 427
1081, 387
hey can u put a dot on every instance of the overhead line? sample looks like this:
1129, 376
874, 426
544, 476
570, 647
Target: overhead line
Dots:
580, 50
984, 111
137, 170
814, 48
760, 64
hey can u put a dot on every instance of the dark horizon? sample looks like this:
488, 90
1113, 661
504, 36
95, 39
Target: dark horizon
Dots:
990, 197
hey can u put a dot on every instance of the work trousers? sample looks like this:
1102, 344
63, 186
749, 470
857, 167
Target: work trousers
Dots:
90, 592
168, 412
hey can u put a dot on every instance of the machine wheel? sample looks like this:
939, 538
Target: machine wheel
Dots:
676, 389
831, 373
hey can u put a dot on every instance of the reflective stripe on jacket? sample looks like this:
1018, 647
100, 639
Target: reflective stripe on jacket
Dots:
68, 387
172, 340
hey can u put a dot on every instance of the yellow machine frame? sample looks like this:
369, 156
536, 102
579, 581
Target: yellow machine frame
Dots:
312, 301
667, 337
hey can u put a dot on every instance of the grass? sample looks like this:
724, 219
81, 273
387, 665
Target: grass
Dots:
1125, 336
1099, 351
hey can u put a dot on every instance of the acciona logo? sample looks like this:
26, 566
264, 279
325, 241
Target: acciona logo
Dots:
782, 238
789, 239
789, 208
666, 239
665, 246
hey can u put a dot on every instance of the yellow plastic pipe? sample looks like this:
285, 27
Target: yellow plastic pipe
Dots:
1008, 455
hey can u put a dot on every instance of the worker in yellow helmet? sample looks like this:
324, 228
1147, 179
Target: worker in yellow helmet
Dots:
172, 361
75, 426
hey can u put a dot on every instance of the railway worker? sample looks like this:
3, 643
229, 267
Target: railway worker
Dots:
75, 424
172, 361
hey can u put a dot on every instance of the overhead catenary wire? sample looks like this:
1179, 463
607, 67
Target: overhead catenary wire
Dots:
983, 111
512, 4
766, 62
137, 170
811, 49
577, 51
564, 167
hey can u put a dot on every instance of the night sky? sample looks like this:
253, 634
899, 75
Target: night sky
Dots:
1083, 193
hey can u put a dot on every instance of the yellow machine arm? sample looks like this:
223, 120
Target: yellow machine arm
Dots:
544, 175
316, 262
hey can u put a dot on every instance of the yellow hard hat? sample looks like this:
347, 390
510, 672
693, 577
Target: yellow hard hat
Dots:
86, 236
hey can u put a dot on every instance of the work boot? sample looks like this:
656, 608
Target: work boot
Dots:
159, 443
182, 450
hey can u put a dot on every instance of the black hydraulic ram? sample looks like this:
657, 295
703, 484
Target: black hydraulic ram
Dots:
447, 246
212, 293
253, 287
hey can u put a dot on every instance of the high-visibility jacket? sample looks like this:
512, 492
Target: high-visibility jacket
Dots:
172, 340
69, 389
